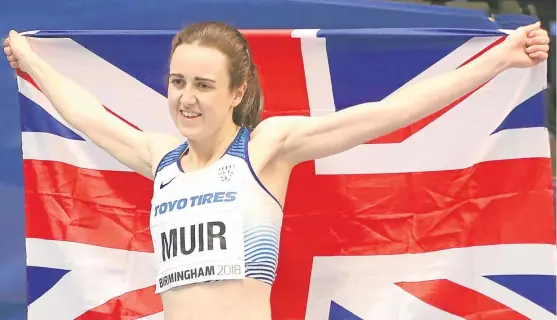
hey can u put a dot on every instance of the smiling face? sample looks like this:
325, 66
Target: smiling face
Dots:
200, 97
213, 84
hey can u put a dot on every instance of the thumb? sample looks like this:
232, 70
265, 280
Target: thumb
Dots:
12, 35
531, 27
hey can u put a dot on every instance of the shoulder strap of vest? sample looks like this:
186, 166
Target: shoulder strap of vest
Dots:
171, 157
239, 147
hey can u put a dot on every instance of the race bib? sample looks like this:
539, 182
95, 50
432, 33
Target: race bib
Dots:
194, 248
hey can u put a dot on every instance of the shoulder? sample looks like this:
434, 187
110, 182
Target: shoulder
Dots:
274, 133
276, 129
160, 144
269, 137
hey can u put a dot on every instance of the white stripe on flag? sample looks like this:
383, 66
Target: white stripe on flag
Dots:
318, 77
82, 154
397, 158
97, 274
304, 33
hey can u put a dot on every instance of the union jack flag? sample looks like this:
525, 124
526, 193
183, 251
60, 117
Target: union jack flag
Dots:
451, 217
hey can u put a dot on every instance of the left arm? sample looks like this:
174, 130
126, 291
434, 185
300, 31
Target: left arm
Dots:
307, 138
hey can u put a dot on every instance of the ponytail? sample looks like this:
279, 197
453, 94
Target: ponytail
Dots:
248, 112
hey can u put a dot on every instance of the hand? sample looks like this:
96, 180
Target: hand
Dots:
18, 51
526, 47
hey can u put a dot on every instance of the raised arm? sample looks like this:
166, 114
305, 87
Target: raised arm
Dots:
307, 138
82, 110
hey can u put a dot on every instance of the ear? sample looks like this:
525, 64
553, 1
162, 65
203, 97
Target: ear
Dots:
239, 94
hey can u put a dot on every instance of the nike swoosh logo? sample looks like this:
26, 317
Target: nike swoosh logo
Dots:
163, 184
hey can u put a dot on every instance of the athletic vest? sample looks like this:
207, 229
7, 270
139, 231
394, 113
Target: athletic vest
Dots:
213, 224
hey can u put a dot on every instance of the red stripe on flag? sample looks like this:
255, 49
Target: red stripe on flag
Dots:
28, 78
102, 208
406, 132
131, 305
470, 304
488, 204
278, 56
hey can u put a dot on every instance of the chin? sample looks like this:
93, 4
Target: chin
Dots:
188, 132
192, 132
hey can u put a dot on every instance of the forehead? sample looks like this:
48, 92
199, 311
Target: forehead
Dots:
192, 60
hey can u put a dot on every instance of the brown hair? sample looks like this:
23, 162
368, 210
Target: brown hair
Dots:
231, 43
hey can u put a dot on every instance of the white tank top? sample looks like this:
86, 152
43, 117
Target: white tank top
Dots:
216, 223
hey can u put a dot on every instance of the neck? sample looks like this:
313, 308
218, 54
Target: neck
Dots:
204, 152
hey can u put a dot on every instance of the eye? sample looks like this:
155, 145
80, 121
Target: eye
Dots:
176, 81
203, 86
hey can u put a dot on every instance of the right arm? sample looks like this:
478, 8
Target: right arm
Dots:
84, 112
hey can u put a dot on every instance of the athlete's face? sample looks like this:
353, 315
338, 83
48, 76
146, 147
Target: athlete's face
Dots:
199, 95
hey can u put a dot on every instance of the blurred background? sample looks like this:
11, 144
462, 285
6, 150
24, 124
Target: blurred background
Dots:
24, 15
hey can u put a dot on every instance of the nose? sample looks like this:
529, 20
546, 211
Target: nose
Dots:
188, 97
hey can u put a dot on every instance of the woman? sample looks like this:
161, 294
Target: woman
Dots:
217, 204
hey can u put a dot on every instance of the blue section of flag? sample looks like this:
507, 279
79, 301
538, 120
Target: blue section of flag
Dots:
36, 119
41, 280
371, 66
337, 312
528, 114
539, 289
114, 48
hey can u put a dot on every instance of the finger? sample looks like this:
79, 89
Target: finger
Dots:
8, 51
12, 59
537, 40
531, 27
537, 33
539, 56
541, 40
536, 48
14, 65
